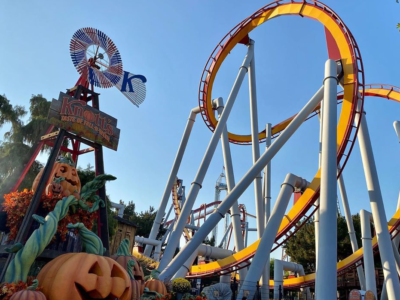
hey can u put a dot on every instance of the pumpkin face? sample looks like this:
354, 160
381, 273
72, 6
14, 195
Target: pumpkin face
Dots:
82, 276
71, 185
28, 295
156, 285
137, 268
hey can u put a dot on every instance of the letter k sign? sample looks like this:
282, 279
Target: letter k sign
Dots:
132, 87
127, 81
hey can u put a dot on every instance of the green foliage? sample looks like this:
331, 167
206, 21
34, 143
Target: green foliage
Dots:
271, 268
210, 242
301, 247
16, 148
144, 220
86, 175
181, 285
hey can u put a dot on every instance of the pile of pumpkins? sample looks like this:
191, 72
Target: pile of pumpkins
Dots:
83, 276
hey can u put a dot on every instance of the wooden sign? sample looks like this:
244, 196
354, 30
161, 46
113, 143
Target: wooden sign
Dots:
78, 117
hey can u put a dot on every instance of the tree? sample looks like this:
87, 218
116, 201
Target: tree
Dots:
210, 242
16, 149
144, 220
301, 247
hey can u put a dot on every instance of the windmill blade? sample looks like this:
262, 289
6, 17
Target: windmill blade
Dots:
133, 87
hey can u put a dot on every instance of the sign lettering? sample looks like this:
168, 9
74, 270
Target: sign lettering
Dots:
77, 117
127, 80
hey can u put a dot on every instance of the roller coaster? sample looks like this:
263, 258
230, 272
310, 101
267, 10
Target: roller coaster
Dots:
345, 69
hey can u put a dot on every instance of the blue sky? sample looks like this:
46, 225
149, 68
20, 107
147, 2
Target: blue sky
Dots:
169, 42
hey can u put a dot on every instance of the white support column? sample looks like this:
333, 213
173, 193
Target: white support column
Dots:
186, 266
174, 171
396, 258
377, 209
365, 219
279, 267
350, 227
242, 185
267, 174
260, 205
326, 281
278, 278
197, 182
247, 234
396, 240
153, 242
316, 214
260, 259
165, 236
256, 147
267, 207
205, 251
230, 182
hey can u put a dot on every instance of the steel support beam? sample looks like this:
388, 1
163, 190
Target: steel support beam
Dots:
255, 146
230, 182
172, 176
249, 286
365, 219
377, 208
243, 184
316, 214
326, 281
197, 182
260, 205
279, 267
267, 210
350, 227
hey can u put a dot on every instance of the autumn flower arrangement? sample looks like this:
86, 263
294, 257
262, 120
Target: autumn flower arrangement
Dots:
186, 297
16, 204
181, 285
9, 289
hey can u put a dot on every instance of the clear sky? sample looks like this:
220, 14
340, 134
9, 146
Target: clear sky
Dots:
169, 42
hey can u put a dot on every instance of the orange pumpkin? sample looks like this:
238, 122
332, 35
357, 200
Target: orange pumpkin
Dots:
82, 276
30, 293
136, 287
123, 257
154, 284
63, 179
137, 268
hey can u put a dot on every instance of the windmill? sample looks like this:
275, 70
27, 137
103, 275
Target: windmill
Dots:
99, 62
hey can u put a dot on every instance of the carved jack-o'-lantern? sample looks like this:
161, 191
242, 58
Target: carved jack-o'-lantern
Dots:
63, 179
82, 276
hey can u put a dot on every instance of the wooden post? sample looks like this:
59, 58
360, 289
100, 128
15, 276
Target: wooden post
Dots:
102, 222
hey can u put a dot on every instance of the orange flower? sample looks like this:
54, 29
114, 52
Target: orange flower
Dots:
8, 289
17, 203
